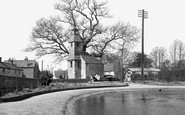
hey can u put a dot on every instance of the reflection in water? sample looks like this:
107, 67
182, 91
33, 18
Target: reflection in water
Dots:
133, 103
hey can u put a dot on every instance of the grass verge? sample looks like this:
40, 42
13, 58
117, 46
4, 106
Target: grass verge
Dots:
54, 87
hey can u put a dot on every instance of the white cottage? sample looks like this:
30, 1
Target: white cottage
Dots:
80, 65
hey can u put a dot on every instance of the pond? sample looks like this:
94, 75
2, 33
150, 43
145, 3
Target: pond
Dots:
142, 102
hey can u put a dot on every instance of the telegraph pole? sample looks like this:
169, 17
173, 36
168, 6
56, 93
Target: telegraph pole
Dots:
142, 14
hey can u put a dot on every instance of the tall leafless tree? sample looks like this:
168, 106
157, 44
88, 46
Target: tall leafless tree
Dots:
177, 52
85, 15
119, 37
50, 36
158, 55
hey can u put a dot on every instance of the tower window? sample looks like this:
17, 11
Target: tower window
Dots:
71, 44
78, 64
71, 64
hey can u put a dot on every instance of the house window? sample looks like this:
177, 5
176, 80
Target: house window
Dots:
15, 71
9, 70
71, 64
3, 70
71, 44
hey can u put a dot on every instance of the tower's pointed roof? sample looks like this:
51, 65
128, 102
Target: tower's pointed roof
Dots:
75, 37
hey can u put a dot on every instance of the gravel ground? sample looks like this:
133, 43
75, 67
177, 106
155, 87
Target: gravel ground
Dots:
60, 103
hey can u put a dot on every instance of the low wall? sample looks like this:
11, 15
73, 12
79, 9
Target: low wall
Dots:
11, 84
71, 80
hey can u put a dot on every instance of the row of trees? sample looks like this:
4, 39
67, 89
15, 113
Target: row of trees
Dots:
159, 57
50, 36
175, 59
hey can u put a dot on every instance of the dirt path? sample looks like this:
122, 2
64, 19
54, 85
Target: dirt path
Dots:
55, 103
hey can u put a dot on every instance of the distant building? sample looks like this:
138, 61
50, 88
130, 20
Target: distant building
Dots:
146, 71
9, 69
30, 67
109, 69
81, 66
113, 70
60, 74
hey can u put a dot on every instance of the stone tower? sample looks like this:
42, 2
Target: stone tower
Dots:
74, 61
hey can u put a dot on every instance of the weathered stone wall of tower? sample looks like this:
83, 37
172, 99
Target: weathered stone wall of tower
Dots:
71, 74
74, 62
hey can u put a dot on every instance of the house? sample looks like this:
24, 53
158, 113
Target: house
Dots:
146, 71
9, 69
30, 67
80, 65
60, 74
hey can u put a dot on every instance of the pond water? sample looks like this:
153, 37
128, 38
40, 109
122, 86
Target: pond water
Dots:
143, 102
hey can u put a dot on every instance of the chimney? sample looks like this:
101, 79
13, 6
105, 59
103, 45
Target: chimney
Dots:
11, 62
0, 59
26, 59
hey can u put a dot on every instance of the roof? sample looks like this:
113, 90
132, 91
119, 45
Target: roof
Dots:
2, 65
109, 67
24, 63
9, 66
145, 69
90, 59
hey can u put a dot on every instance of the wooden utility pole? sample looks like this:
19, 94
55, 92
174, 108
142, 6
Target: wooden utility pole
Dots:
143, 14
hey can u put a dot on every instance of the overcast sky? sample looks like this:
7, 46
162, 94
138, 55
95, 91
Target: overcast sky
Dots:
165, 23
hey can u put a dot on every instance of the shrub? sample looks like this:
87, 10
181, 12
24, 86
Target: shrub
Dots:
46, 77
172, 75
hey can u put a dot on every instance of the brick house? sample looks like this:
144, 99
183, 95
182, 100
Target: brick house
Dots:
9, 69
81, 66
30, 67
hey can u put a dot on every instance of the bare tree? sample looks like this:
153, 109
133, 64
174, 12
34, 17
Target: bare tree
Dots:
177, 52
85, 15
48, 37
158, 56
119, 37
129, 36
154, 56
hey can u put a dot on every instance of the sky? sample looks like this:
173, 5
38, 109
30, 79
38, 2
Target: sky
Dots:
165, 23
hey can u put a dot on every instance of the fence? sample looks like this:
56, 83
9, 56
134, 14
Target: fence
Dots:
11, 84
